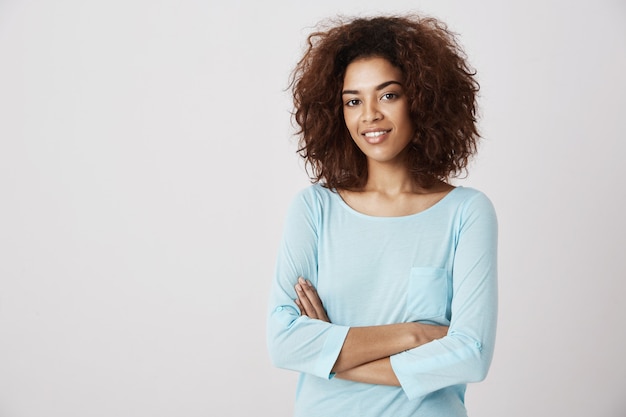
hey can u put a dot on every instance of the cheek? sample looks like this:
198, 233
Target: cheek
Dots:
348, 125
351, 123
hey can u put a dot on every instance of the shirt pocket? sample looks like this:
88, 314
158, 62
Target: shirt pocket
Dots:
427, 297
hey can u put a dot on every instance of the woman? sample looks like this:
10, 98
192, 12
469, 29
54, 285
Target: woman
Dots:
384, 297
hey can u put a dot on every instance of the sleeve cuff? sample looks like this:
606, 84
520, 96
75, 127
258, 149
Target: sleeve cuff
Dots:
328, 356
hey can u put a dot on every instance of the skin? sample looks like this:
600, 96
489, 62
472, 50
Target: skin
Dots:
390, 189
376, 113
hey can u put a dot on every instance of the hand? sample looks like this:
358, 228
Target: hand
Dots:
309, 301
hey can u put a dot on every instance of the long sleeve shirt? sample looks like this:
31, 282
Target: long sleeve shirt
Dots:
437, 266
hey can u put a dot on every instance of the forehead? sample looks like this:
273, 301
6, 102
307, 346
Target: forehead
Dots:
370, 72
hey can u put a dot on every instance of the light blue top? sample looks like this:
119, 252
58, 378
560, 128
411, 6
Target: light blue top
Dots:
437, 266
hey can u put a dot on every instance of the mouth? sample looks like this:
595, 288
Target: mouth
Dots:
375, 136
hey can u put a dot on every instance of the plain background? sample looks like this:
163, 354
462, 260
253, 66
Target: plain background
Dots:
147, 159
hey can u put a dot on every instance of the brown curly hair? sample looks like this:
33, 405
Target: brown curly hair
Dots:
440, 86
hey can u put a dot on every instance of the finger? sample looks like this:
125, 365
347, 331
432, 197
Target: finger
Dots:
305, 303
302, 313
313, 298
315, 301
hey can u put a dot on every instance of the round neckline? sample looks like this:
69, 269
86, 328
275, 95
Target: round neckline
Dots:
352, 210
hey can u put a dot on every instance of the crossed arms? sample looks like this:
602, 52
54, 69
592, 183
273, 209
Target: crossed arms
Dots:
365, 354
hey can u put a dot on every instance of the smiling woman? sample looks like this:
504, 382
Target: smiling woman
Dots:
384, 296
376, 110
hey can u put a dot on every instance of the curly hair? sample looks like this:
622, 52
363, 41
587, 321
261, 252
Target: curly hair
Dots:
438, 82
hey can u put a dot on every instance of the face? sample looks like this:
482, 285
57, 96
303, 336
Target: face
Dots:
376, 110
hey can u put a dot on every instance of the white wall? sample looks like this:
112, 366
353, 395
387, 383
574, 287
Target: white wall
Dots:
146, 161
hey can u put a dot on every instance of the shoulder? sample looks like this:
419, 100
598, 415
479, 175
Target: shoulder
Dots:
314, 194
312, 200
468, 197
474, 207
467, 203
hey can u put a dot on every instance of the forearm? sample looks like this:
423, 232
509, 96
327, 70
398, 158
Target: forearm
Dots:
367, 344
370, 343
376, 372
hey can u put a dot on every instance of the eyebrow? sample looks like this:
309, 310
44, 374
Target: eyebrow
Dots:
378, 87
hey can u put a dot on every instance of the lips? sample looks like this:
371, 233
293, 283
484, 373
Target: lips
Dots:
374, 136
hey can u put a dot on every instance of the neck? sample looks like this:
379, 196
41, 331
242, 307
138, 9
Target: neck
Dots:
389, 179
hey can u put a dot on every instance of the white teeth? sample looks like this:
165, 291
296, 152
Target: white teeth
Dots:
375, 134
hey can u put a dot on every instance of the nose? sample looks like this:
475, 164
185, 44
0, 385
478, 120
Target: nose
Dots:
371, 112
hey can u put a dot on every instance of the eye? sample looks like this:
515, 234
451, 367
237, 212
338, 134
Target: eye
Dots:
353, 102
390, 96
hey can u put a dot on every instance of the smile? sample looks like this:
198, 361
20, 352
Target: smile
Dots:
375, 134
